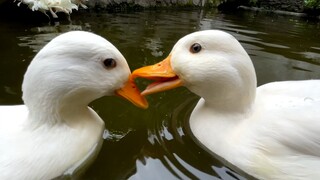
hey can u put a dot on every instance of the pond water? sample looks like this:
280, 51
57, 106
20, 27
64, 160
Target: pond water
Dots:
156, 143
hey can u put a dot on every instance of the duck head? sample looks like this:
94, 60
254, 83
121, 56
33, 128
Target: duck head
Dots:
210, 63
74, 69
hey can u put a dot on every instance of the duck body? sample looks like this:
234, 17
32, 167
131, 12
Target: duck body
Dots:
47, 151
277, 138
270, 132
55, 133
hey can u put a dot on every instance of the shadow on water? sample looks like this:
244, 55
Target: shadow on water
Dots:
157, 143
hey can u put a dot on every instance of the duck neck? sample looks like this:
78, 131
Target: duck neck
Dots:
235, 102
218, 125
56, 107
233, 94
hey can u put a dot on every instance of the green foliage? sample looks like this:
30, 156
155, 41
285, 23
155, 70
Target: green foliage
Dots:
315, 4
253, 2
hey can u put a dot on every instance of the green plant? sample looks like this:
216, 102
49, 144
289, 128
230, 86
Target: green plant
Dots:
315, 4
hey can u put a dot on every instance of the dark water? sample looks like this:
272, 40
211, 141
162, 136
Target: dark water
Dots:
156, 143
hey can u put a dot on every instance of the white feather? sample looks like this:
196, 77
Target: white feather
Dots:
54, 6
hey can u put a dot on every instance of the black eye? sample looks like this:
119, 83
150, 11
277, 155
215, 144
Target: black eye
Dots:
109, 63
195, 48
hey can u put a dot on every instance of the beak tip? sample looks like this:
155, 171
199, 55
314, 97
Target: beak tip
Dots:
132, 94
145, 107
144, 104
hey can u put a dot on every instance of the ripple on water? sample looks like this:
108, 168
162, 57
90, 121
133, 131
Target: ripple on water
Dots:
173, 151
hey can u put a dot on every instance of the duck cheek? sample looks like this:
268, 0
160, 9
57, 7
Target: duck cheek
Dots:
103, 89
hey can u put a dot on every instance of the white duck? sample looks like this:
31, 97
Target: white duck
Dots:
271, 132
55, 133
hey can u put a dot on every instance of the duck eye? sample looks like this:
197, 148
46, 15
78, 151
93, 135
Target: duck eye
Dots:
109, 63
195, 48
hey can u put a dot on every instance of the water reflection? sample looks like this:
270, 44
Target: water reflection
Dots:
156, 143
154, 45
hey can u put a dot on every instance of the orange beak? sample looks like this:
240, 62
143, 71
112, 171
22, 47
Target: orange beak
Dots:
130, 92
163, 74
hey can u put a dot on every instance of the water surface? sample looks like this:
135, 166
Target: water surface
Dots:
156, 143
